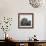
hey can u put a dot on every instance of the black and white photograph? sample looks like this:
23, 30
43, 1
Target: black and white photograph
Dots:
25, 20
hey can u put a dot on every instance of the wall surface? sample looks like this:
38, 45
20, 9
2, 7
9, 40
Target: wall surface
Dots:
11, 8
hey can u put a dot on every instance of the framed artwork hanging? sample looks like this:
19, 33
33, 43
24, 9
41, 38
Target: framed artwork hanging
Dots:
25, 20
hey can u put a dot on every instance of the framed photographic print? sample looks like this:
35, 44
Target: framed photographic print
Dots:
25, 20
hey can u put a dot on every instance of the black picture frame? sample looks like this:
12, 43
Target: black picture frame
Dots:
25, 20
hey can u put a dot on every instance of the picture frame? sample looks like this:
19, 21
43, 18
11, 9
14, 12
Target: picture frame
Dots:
25, 20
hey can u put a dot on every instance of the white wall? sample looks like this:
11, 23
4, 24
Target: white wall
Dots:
45, 29
11, 8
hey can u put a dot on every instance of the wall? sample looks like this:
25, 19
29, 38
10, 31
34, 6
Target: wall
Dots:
11, 8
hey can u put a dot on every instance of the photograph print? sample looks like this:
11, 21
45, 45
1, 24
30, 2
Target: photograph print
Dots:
25, 20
